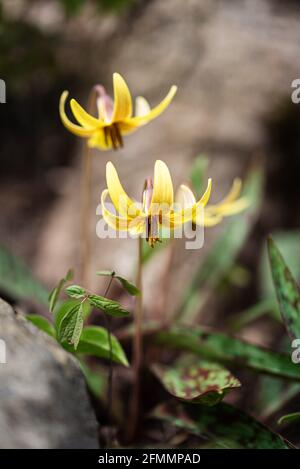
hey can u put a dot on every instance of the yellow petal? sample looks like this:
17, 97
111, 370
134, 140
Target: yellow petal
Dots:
115, 222
99, 141
122, 99
123, 204
85, 119
142, 106
136, 226
162, 197
155, 112
233, 193
190, 213
75, 129
185, 197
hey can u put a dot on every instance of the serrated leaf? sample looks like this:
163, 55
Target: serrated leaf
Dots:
110, 307
289, 418
53, 297
71, 326
41, 323
17, 281
287, 291
128, 286
75, 291
223, 348
200, 382
94, 341
221, 421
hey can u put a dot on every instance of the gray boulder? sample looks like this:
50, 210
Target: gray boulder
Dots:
43, 399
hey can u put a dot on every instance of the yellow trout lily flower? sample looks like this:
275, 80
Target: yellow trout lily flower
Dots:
115, 116
214, 214
155, 211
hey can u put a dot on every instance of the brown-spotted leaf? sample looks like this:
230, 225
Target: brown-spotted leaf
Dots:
199, 382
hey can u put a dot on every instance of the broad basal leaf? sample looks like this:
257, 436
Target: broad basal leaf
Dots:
17, 281
221, 422
200, 382
41, 323
94, 341
111, 307
287, 291
222, 348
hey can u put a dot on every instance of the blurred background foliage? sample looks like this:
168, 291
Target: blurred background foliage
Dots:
234, 63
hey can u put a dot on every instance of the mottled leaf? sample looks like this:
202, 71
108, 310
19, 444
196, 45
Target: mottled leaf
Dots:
221, 421
94, 341
228, 349
199, 382
287, 291
111, 307
289, 418
41, 323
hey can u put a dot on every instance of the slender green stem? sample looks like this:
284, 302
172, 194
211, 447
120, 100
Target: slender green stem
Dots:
137, 350
86, 190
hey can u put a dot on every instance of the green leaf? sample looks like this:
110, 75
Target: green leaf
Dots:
222, 348
53, 297
17, 281
111, 307
61, 311
199, 382
41, 323
197, 174
287, 291
70, 328
75, 291
128, 286
252, 313
96, 379
94, 341
289, 418
222, 422
223, 252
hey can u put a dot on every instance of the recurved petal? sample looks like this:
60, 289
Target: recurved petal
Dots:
233, 193
191, 213
162, 197
75, 129
84, 118
115, 222
142, 106
155, 112
122, 99
184, 197
123, 204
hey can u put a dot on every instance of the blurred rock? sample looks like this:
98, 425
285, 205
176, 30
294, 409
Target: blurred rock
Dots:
44, 403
